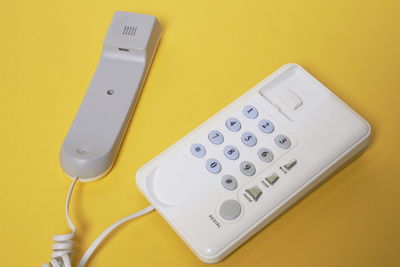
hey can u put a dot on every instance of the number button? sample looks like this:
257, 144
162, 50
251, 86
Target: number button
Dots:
213, 166
265, 154
198, 150
249, 139
233, 124
266, 126
229, 182
231, 152
282, 141
216, 137
250, 112
247, 168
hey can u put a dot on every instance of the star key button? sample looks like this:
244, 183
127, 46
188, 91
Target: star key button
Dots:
198, 150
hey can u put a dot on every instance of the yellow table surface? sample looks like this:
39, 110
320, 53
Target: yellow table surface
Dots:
211, 53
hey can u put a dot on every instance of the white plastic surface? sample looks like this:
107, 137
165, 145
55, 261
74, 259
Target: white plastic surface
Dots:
324, 133
291, 99
93, 140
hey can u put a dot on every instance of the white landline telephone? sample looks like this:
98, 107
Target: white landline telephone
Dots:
232, 175
235, 173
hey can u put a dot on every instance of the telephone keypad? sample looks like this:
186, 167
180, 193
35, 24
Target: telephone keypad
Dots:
246, 140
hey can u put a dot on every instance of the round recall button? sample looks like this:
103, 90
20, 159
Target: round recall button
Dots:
230, 209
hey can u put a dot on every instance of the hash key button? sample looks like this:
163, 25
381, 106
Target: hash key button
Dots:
229, 182
255, 192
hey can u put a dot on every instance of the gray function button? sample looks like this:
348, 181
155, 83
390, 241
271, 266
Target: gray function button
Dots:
266, 126
230, 209
250, 112
290, 165
282, 141
265, 154
231, 152
198, 150
247, 168
233, 124
249, 139
213, 166
272, 178
229, 182
216, 137
255, 192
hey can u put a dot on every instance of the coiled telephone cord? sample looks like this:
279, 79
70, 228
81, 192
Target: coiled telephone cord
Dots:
62, 248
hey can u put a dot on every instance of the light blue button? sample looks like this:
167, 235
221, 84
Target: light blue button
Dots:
198, 150
229, 182
213, 166
282, 141
247, 168
233, 124
249, 139
231, 152
216, 137
250, 112
265, 154
266, 126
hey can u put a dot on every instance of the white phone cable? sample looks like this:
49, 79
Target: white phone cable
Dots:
62, 249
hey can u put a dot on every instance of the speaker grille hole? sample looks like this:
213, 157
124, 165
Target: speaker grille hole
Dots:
129, 30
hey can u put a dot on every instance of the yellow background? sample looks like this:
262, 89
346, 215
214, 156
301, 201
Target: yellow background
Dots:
211, 52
